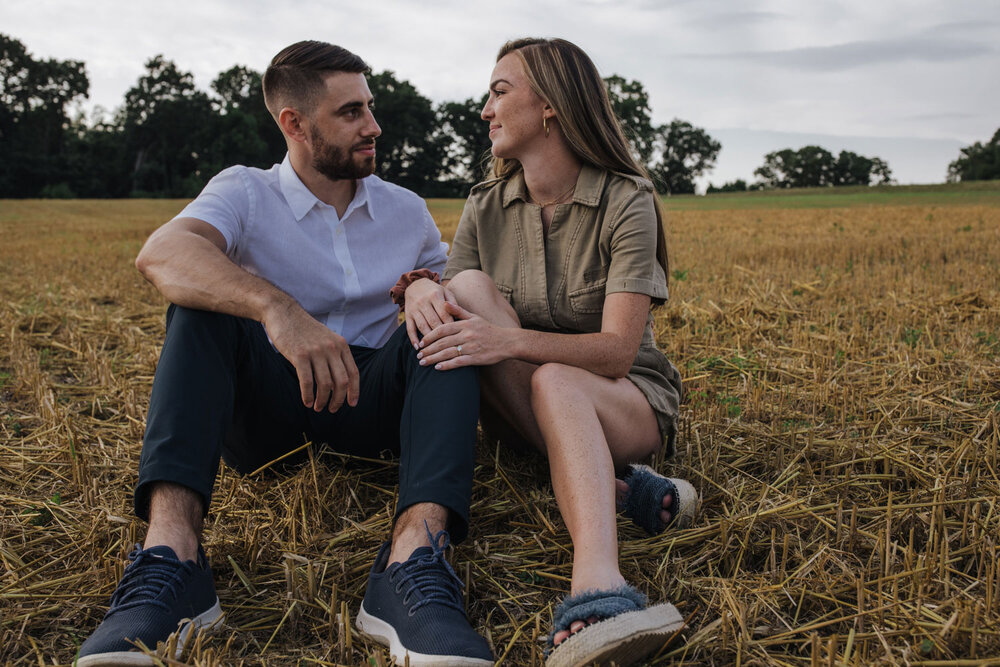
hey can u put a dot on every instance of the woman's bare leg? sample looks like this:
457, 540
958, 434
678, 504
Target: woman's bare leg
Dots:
587, 425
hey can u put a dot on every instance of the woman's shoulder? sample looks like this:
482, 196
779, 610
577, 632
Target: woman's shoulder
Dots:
485, 186
628, 183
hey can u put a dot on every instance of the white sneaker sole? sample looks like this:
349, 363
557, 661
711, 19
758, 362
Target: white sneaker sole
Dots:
204, 621
386, 635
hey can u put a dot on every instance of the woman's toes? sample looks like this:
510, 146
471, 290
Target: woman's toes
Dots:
667, 501
560, 637
576, 626
665, 517
621, 488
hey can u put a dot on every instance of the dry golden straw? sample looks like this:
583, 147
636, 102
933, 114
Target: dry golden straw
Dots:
842, 423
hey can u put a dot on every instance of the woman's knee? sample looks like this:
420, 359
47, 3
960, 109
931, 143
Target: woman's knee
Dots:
473, 286
555, 382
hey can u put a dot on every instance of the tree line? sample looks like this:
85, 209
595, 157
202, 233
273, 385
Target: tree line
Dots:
168, 138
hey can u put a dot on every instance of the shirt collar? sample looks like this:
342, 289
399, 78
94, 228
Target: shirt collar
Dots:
589, 186
362, 197
301, 200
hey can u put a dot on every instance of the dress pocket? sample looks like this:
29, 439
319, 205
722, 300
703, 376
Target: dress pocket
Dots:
588, 300
506, 292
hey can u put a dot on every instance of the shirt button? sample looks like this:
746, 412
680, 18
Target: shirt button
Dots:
340, 230
350, 272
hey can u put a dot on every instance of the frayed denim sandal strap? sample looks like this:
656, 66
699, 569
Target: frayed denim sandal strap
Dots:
644, 499
599, 604
630, 633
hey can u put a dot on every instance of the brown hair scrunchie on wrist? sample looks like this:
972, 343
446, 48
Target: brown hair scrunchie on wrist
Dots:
398, 291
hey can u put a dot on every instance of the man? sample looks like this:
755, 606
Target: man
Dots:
281, 324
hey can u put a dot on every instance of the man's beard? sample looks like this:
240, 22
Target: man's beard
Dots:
334, 163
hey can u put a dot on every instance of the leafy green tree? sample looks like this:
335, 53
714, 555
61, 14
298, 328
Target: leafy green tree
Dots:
467, 143
853, 169
739, 185
244, 131
978, 162
34, 95
814, 166
810, 166
630, 102
682, 152
166, 122
409, 153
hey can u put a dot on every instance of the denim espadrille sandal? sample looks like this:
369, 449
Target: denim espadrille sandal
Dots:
644, 499
627, 630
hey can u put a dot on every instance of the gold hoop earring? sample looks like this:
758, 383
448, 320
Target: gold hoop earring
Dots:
545, 125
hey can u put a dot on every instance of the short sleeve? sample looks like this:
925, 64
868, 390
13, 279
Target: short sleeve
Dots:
634, 267
225, 204
434, 252
465, 247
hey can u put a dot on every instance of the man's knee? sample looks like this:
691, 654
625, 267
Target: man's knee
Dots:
192, 318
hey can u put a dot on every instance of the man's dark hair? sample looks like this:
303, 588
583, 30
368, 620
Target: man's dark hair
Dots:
295, 76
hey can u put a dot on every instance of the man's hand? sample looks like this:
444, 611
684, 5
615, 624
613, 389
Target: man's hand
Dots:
322, 359
425, 308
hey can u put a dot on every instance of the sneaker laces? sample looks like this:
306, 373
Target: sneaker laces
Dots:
423, 575
145, 580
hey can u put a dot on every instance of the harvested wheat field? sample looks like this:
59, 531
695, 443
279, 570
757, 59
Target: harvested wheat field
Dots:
842, 423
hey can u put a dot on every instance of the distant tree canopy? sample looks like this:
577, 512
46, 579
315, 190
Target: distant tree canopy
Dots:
978, 162
676, 153
169, 138
739, 185
814, 166
34, 95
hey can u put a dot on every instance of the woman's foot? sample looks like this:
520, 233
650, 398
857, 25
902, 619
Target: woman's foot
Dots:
655, 502
621, 491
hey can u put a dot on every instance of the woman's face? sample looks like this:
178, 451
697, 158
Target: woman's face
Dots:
513, 110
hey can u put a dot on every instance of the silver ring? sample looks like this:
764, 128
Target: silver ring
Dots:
459, 348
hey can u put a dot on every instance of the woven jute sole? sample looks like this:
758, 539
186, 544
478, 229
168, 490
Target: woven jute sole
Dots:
688, 502
623, 639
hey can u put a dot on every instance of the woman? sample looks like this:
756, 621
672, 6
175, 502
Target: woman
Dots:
554, 267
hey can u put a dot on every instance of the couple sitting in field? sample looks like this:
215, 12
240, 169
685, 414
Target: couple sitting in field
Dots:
282, 324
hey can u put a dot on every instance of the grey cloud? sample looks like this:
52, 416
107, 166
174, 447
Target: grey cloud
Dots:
945, 116
851, 55
734, 19
961, 27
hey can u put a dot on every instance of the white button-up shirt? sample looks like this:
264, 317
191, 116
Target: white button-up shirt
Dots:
340, 269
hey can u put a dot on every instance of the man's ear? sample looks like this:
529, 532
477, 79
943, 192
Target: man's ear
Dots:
293, 124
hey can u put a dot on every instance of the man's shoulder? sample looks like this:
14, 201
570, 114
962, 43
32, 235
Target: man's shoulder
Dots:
247, 177
382, 190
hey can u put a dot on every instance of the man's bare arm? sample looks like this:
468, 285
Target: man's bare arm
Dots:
185, 260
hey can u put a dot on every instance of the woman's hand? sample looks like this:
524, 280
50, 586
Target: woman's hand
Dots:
425, 308
469, 340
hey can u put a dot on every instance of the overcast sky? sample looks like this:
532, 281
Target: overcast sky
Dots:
910, 82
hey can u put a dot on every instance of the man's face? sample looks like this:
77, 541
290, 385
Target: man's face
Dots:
343, 130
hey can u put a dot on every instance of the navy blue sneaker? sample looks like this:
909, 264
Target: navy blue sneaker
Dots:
415, 608
158, 595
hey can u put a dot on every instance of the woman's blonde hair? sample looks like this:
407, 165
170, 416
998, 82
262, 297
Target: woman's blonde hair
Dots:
567, 79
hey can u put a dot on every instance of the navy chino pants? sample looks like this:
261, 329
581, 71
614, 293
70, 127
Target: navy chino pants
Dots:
222, 390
